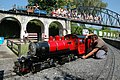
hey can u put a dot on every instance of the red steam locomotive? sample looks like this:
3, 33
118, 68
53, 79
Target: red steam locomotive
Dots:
57, 50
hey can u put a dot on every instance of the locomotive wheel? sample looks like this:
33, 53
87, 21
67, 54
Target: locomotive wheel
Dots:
16, 70
36, 67
33, 69
56, 63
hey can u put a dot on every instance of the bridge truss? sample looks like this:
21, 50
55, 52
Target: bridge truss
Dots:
98, 16
88, 15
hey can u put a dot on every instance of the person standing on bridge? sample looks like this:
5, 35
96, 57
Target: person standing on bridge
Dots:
99, 48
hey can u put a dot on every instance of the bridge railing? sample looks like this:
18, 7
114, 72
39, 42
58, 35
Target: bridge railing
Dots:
107, 17
90, 15
86, 14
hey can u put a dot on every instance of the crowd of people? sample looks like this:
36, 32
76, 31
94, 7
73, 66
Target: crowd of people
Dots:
74, 14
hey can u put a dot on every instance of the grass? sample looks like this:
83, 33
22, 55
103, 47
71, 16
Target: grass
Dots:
24, 49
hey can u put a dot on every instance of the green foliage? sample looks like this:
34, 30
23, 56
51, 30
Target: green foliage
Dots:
47, 4
35, 22
106, 28
53, 29
53, 25
97, 3
33, 27
61, 3
43, 4
53, 4
24, 49
75, 29
91, 29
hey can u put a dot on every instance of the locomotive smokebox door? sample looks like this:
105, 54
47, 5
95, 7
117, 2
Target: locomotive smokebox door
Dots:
39, 48
32, 49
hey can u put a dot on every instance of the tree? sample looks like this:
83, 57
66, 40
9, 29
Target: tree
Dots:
97, 3
77, 29
48, 4
43, 4
105, 28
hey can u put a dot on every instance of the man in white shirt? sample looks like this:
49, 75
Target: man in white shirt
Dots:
25, 37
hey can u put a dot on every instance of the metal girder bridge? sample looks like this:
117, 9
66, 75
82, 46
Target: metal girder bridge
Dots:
97, 16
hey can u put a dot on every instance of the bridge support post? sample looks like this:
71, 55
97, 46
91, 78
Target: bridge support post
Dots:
23, 28
68, 27
46, 32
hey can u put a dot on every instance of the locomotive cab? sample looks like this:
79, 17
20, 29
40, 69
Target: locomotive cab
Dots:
83, 44
79, 43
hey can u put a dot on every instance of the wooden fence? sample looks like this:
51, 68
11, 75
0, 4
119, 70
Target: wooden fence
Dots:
15, 47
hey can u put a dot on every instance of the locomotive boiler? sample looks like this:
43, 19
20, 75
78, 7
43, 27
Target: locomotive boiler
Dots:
57, 50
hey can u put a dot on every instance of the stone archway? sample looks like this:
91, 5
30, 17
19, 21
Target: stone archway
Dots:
35, 26
10, 27
55, 28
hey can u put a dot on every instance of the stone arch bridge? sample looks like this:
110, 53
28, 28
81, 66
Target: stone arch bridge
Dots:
86, 15
45, 22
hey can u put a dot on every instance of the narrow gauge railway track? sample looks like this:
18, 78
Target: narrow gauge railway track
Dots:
106, 73
67, 74
108, 70
12, 75
116, 74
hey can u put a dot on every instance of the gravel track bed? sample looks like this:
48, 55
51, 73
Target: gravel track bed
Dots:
80, 69
108, 69
116, 75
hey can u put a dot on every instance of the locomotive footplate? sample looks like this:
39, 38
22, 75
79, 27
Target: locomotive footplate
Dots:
36, 67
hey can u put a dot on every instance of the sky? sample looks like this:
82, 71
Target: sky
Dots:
113, 5
7, 4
